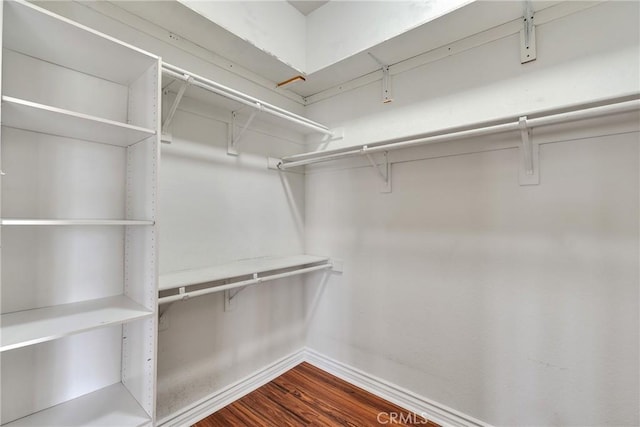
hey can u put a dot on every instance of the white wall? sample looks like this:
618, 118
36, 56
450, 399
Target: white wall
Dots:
460, 285
515, 305
217, 209
340, 29
275, 27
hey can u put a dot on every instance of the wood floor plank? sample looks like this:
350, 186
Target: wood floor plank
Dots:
307, 413
316, 399
307, 396
260, 404
359, 404
247, 417
360, 396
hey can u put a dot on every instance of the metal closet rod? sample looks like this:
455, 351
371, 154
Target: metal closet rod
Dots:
242, 98
581, 114
254, 281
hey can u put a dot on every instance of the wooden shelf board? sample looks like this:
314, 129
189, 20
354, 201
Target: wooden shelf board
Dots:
29, 327
107, 407
31, 116
235, 269
29, 222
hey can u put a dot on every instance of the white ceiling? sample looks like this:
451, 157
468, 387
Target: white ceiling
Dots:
307, 6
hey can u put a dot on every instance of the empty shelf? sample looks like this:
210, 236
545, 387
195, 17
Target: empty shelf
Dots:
31, 116
235, 269
18, 221
39, 33
29, 327
214, 93
107, 407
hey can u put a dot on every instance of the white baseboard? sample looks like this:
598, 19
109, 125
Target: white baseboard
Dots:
406, 399
218, 400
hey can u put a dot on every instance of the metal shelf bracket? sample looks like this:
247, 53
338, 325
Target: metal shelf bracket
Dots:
234, 137
166, 137
232, 293
382, 171
529, 156
386, 85
386, 80
528, 35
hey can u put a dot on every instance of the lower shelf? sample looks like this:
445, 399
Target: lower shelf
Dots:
108, 407
31, 327
235, 269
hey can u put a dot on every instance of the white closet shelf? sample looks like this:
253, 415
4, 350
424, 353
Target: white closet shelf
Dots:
31, 116
235, 269
36, 32
211, 92
29, 327
18, 221
107, 407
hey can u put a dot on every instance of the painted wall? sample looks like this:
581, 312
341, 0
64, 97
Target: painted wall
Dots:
460, 285
218, 209
340, 29
515, 305
275, 27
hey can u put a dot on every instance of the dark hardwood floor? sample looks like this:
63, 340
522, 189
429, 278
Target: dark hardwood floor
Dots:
308, 396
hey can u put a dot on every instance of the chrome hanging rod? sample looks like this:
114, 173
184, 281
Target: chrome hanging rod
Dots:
443, 136
227, 92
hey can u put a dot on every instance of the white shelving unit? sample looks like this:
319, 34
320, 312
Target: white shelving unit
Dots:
30, 327
108, 407
21, 114
79, 156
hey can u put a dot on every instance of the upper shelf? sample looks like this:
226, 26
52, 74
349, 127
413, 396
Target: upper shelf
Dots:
199, 87
29, 327
235, 269
27, 115
37, 32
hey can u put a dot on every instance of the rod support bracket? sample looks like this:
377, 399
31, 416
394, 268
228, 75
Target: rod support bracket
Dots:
383, 171
182, 293
186, 81
229, 302
528, 35
274, 163
234, 136
528, 173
